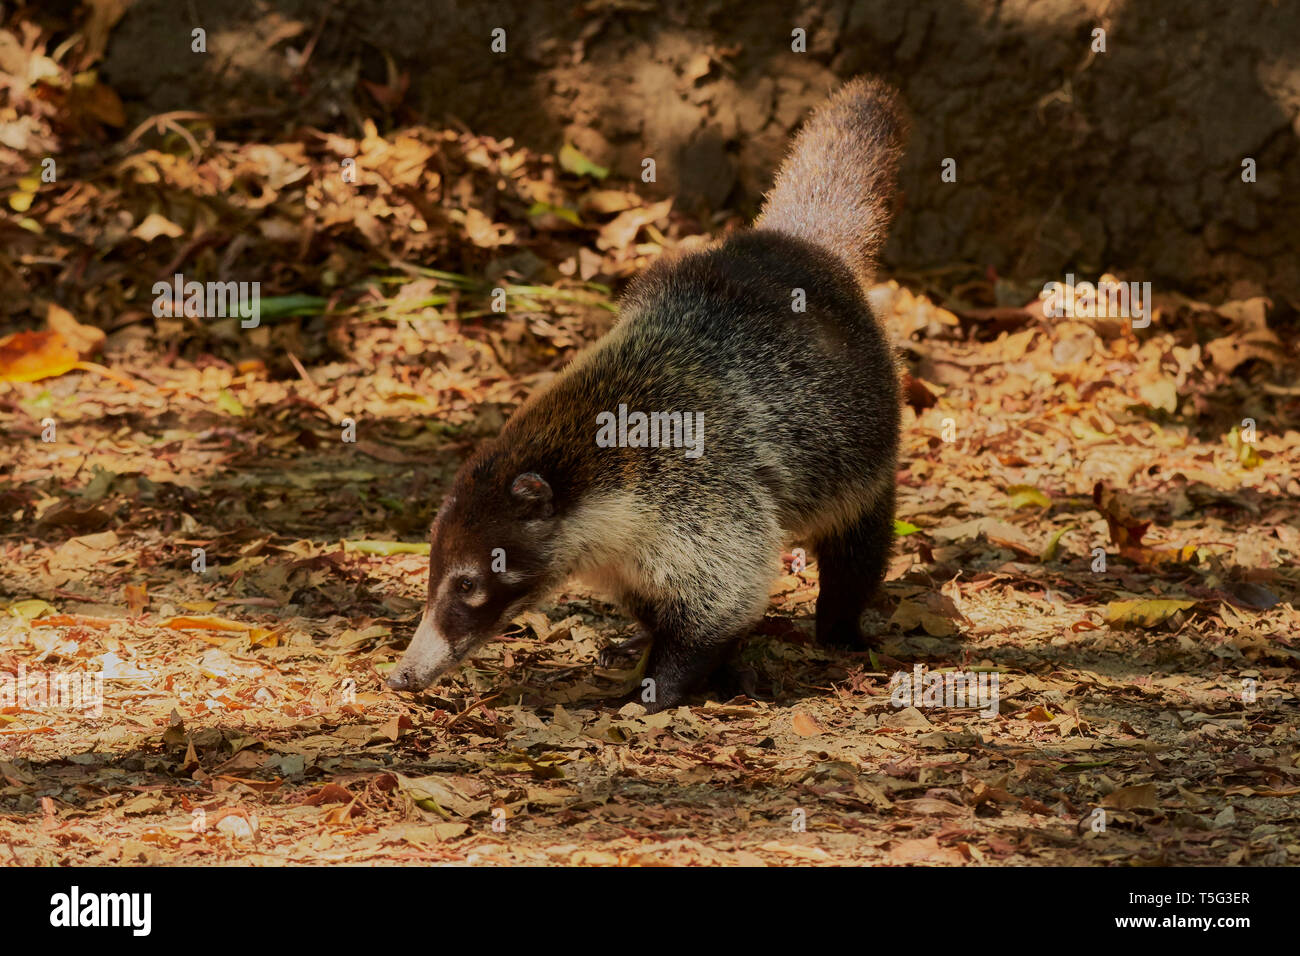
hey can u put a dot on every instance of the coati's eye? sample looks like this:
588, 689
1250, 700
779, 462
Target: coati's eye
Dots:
465, 585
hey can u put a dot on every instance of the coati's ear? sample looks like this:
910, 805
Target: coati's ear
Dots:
532, 490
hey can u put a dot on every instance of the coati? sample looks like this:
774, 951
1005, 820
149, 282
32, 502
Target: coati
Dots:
797, 421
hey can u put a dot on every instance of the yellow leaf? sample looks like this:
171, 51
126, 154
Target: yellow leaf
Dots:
31, 609
228, 403
29, 356
571, 160
1187, 554
1053, 546
1144, 612
206, 624
1023, 496
263, 637
1244, 450
386, 548
1087, 434
1160, 395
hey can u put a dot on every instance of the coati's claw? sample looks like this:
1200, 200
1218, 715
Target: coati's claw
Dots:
736, 679
634, 646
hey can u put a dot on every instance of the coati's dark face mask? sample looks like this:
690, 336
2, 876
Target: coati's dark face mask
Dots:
488, 560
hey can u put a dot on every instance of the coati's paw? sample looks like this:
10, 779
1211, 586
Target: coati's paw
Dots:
844, 634
735, 679
657, 696
638, 696
633, 646
728, 681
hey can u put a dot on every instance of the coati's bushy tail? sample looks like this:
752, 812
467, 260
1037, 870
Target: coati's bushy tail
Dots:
836, 187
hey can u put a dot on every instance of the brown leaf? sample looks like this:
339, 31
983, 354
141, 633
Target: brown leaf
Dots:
621, 231
1125, 531
330, 793
390, 454
236, 822
924, 851
102, 104
155, 225
917, 394
603, 202
1128, 798
804, 725
137, 598
86, 339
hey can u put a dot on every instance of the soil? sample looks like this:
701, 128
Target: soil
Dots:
1067, 160
1102, 514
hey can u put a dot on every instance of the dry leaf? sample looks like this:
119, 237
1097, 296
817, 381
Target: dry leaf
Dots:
31, 356
1144, 612
85, 339
1128, 798
804, 725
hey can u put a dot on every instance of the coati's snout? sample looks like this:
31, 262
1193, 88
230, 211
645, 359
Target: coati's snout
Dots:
488, 560
429, 656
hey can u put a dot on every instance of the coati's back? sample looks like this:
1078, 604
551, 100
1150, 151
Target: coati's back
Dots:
768, 342
770, 337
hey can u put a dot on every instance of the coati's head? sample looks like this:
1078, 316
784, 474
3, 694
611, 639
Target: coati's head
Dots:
490, 558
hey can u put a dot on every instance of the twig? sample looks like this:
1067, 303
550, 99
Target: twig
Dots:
481, 700
302, 373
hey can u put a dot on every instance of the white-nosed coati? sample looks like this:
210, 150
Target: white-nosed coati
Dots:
800, 410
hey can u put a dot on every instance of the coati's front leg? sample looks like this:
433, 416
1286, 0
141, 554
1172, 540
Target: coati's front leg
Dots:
711, 588
682, 658
692, 633
852, 563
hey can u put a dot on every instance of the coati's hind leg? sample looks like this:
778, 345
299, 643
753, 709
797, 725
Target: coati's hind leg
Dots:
851, 564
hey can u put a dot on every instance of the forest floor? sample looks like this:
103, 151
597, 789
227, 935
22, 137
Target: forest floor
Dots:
229, 525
